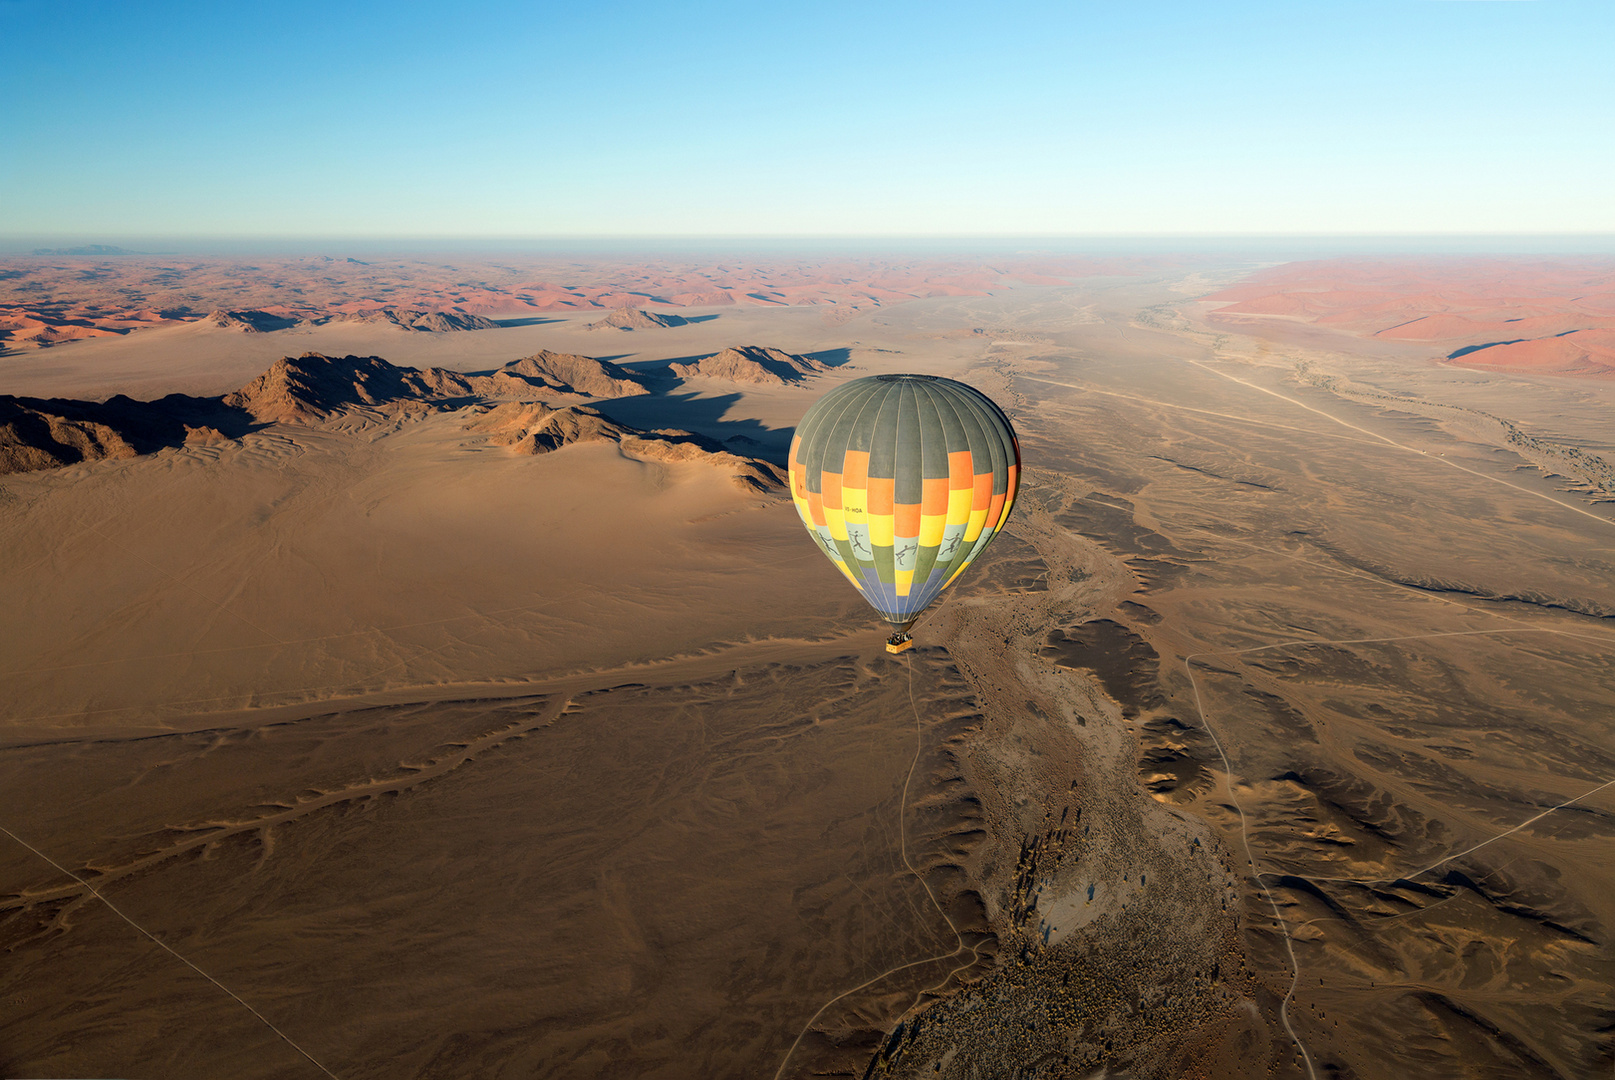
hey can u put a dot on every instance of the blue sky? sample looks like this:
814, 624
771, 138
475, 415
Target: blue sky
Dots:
406, 119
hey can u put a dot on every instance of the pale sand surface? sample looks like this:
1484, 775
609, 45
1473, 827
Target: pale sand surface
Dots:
451, 762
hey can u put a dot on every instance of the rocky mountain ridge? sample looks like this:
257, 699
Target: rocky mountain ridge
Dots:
536, 428
751, 364
416, 320
37, 433
633, 318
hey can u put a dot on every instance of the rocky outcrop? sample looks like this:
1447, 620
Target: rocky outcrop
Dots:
632, 318
570, 373
38, 433
535, 428
314, 386
249, 321
437, 322
47, 433
751, 364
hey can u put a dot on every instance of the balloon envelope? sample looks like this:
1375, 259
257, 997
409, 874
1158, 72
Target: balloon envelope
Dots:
903, 480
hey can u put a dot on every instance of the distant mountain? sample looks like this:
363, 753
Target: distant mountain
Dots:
632, 318
84, 249
535, 428
751, 364
414, 319
248, 321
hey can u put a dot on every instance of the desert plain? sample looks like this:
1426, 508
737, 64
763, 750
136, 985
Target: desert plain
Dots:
419, 671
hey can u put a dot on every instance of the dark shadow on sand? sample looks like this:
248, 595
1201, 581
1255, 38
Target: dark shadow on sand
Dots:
704, 416
830, 357
526, 320
146, 426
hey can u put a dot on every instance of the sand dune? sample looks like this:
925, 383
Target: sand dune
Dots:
1579, 352
85, 293
1519, 312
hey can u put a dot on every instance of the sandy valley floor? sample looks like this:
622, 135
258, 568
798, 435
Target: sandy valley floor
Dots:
1277, 736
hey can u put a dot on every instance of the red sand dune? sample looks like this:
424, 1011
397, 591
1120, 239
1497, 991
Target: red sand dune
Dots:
1580, 352
1546, 315
115, 294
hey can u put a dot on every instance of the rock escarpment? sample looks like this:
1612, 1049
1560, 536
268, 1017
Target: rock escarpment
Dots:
414, 319
250, 321
47, 433
570, 373
536, 428
37, 433
751, 364
632, 318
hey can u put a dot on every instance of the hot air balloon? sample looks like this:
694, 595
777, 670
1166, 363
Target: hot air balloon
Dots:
903, 480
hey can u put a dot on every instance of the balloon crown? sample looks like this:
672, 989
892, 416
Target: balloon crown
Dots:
905, 378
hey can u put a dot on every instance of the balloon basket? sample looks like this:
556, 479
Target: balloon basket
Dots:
899, 642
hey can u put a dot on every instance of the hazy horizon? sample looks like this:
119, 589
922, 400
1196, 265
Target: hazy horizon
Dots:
1256, 246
